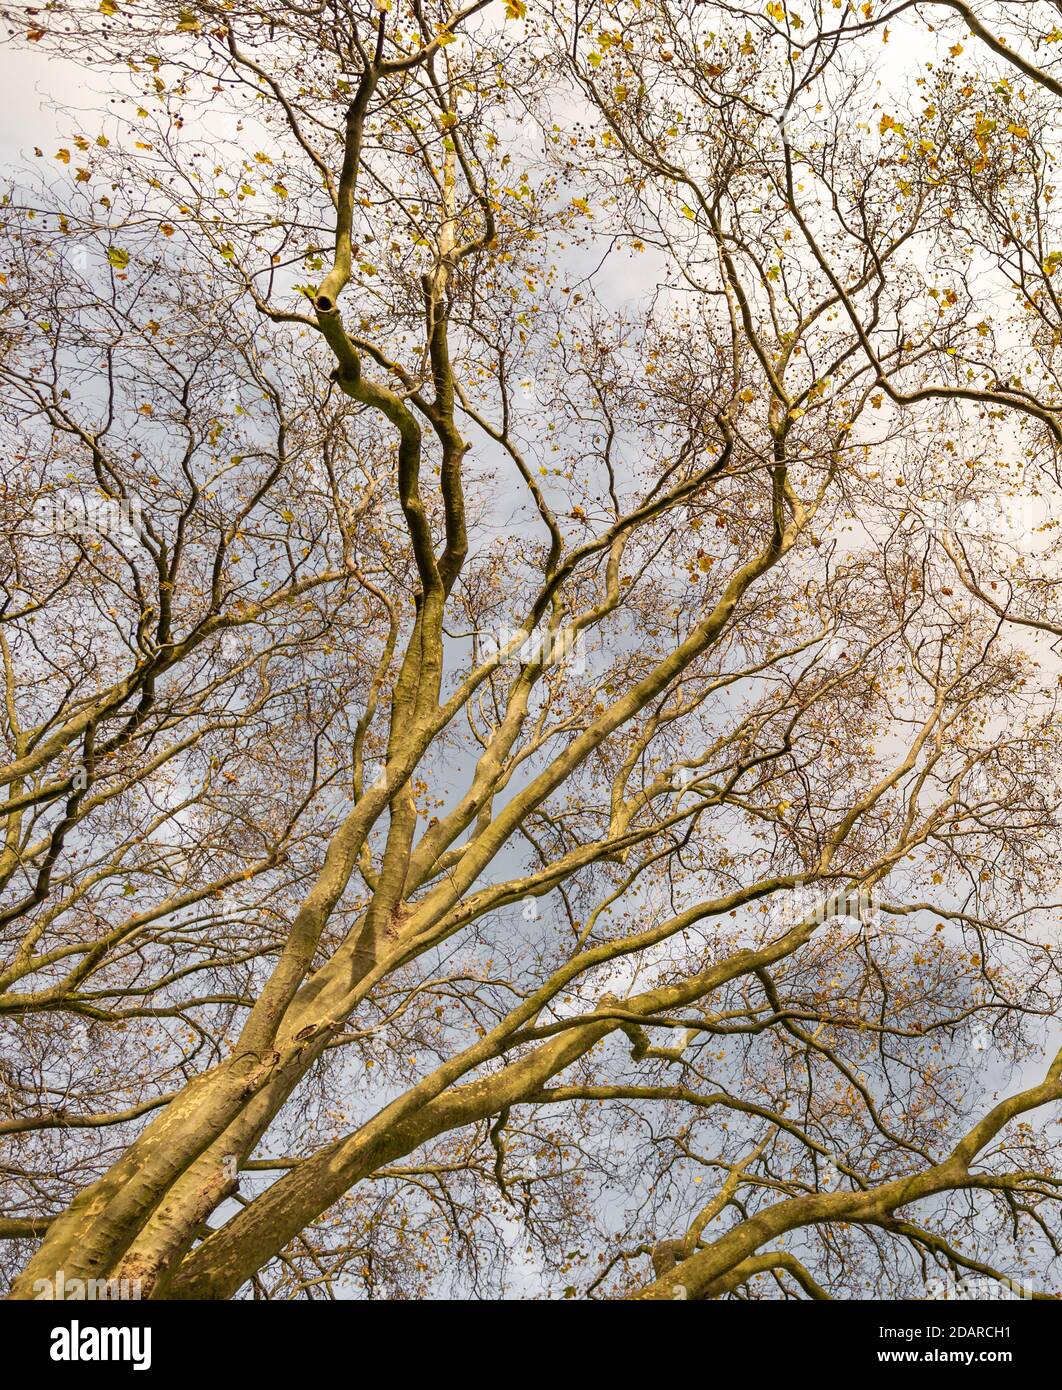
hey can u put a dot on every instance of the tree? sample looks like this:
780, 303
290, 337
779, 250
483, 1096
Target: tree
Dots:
531, 717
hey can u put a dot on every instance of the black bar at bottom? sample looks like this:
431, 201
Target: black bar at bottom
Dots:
83, 1338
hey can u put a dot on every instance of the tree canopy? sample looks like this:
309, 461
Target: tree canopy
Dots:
530, 617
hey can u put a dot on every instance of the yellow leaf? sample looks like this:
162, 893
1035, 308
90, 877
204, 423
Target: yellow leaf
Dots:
63, 156
108, 7
515, 9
